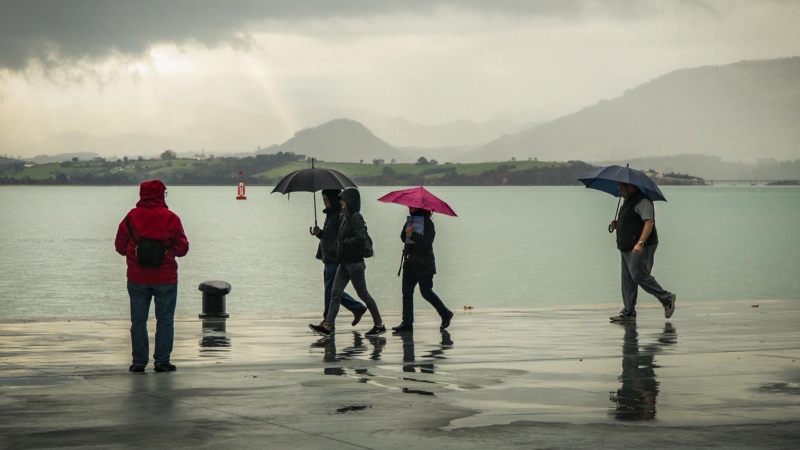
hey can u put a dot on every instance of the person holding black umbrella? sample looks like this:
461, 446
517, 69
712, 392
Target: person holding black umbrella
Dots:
352, 244
327, 252
637, 240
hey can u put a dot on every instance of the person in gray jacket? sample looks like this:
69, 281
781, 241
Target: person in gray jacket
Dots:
327, 252
352, 242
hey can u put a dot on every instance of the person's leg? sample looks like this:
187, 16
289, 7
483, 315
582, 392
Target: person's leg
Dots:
339, 283
630, 291
426, 290
328, 274
348, 302
640, 272
409, 284
140, 297
358, 276
166, 298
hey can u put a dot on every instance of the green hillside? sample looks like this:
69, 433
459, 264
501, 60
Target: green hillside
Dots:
268, 169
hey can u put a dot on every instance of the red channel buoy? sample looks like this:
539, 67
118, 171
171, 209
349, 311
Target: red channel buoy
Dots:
240, 194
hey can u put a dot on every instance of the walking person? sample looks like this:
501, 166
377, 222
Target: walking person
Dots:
637, 241
151, 237
352, 242
419, 267
327, 251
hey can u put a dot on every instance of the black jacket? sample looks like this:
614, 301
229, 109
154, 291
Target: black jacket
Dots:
327, 250
353, 230
418, 258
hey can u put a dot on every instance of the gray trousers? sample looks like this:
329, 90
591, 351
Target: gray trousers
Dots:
345, 274
636, 273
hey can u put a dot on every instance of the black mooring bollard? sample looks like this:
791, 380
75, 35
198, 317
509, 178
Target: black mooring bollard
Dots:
214, 293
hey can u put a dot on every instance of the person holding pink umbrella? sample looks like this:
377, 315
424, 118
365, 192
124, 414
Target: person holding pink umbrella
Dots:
419, 262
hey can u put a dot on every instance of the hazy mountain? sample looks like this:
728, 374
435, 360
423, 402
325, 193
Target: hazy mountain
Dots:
440, 154
338, 140
739, 111
714, 168
403, 133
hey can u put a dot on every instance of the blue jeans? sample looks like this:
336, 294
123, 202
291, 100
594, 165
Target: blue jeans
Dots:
635, 274
347, 301
166, 297
425, 282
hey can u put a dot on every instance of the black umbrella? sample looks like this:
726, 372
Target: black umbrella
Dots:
313, 180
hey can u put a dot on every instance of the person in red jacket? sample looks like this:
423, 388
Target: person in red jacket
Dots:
152, 220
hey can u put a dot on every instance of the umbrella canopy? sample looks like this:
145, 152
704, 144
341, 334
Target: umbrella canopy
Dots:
606, 178
312, 180
418, 197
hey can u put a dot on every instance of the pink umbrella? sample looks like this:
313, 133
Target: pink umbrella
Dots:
418, 197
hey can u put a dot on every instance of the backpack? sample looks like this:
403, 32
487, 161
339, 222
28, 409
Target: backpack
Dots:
369, 250
149, 252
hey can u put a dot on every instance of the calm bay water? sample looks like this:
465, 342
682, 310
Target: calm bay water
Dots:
509, 247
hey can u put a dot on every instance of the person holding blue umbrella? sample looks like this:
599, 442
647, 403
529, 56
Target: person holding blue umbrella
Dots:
637, 237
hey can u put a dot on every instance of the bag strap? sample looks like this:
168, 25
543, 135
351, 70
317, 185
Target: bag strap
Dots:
130, 228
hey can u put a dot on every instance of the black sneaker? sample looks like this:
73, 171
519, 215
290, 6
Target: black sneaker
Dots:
446, 321
358, 315
669, 309
377, 330
404, 327
165, 367
624, 317
319, 329
136, 368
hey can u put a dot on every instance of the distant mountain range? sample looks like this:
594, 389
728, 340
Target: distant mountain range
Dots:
695, 120
738, 111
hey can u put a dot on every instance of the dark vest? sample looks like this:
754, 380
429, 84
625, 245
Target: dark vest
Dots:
630, 225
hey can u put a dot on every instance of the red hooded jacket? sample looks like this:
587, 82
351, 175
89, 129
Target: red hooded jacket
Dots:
152, 219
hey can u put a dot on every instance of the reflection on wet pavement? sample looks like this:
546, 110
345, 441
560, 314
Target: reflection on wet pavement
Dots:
358, 350
215, 340
636, 398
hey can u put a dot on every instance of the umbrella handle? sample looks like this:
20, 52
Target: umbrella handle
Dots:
616, 214
311, 229
402, 257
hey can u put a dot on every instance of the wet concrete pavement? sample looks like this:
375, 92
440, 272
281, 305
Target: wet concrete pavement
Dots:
716, 375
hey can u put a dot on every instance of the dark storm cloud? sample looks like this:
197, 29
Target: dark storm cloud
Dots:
58, 31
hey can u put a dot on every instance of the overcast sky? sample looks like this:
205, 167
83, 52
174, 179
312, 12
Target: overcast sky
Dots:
228, 76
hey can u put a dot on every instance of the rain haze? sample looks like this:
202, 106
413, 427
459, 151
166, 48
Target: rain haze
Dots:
127, 78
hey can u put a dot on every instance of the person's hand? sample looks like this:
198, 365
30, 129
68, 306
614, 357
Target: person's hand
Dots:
638, 248
409, 229
612, 226
314, 231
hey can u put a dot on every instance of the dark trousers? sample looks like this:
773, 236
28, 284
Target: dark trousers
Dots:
425, 282
344, 275
347, 301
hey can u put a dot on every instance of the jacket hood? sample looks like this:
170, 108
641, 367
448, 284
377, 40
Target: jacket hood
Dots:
332, 196
352, 199
151, 193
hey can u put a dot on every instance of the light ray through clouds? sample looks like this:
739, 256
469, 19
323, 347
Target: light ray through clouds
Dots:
236, 75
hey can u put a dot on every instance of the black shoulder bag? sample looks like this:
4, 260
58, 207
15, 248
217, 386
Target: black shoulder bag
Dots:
149, 252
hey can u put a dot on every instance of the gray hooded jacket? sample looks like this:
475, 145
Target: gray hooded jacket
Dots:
353, 231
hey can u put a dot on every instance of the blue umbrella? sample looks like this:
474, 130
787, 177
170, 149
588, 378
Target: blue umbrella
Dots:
605, 179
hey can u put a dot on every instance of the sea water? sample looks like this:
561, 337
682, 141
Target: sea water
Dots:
509, 247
